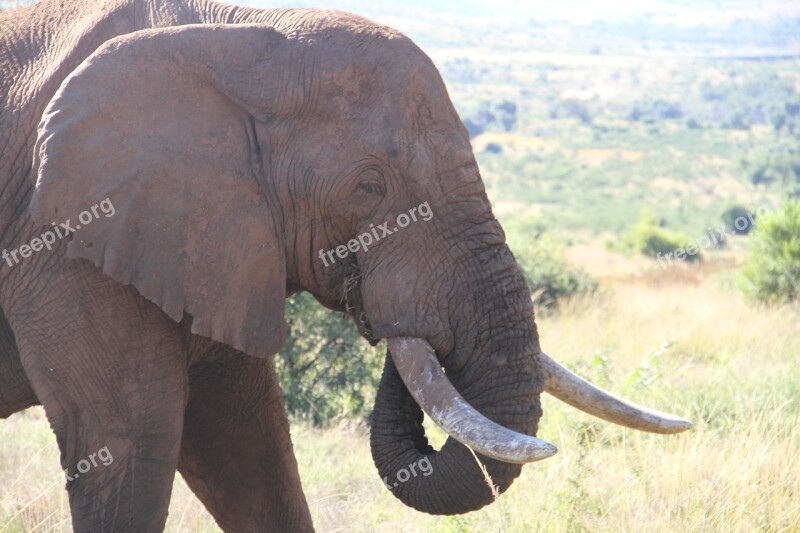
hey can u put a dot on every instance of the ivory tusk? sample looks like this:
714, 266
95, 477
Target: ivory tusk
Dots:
578, 392
422, 374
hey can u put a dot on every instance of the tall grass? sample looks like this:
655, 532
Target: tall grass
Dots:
688, 348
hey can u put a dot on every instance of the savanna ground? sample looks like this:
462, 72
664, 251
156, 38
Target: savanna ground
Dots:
578, 127
686, 346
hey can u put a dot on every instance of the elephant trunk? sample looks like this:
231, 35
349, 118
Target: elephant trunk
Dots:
498, 377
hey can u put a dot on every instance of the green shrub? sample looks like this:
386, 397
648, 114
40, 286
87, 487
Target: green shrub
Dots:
549, 278
693, 124
648, 237
571, 108
327, 371
653, 111
772, 271
738, 218
491, 116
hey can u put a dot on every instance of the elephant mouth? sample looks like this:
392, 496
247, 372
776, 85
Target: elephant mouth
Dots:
353, 303
422, 374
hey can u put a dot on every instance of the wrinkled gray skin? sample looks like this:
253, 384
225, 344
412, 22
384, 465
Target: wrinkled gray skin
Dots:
233, 154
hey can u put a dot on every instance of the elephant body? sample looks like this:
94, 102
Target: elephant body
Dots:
170, 170
112, 369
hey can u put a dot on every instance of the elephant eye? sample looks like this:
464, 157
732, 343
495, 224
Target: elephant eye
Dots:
371, 181
372, 187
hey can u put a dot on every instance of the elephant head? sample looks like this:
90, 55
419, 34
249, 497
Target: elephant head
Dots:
236, 155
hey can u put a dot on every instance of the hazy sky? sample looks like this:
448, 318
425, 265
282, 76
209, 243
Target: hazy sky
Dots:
690, 12
684, 12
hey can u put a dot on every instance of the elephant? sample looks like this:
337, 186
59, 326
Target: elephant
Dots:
171, 171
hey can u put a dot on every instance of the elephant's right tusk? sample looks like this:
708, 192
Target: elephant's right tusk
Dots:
422, 374
579, 393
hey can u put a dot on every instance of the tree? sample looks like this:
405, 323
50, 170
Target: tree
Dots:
738, 218
327, 371
772, 271
500, 116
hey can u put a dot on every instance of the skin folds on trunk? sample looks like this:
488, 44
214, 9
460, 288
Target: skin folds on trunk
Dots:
456, 484
498, 377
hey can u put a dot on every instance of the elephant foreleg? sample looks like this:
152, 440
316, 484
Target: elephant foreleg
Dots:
15, 391
111, 372
237, 454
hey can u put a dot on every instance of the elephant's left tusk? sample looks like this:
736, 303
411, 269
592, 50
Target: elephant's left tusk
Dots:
579, 393
420, 370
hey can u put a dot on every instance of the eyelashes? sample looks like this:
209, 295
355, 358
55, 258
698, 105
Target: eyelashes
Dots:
372, 187
372, 182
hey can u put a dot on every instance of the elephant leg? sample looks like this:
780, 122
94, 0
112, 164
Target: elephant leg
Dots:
16, 393
237, 453
111, 372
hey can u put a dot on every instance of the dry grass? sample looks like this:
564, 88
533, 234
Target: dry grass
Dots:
693, 348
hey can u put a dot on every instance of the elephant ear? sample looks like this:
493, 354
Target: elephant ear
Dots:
161, 125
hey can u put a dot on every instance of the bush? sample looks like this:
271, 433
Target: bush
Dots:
327, 371
653, 111
549, 278
738, 218
738, 121
493, 148
772, 271
648, 237
693, 124
491, 116
571, 108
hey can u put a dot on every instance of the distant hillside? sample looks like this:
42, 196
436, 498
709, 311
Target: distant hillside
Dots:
582, 116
